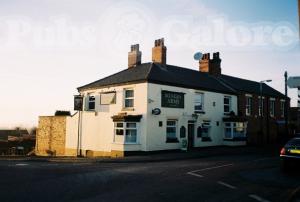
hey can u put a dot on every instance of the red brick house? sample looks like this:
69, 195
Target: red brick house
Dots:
265, 122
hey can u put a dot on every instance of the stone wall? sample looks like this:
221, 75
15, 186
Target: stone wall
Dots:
51, 136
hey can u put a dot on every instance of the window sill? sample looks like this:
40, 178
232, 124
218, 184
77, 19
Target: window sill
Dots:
235, 139
125, 143
172, 141
199, 112
206, 139
128, 109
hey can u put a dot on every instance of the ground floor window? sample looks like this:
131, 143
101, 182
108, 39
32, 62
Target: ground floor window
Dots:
125, 132
205, 128
205, 134
235, 130
171, 130
131, 133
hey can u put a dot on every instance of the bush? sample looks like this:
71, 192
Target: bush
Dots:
62, 113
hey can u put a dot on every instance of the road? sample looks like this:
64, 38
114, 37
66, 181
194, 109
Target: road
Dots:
235, 177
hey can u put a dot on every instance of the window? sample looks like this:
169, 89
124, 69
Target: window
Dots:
199, 131
282, 108
182, 132
129, 98
205, 128
91, 102
228, 133
248, 105
235, 130
131, 133
239, 130
130, 130
199, 102
261, 106
227, 104
272, 107
171, 130
108, 98
119, 130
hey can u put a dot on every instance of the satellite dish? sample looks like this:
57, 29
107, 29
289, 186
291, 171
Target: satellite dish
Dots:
198, 56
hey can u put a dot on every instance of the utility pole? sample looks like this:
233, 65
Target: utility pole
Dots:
286, 104
299, 17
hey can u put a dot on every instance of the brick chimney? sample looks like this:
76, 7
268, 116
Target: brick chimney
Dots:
159, 51
134, 56
204, 63
211, 66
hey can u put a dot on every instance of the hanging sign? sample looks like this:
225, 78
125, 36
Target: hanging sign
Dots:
78, 102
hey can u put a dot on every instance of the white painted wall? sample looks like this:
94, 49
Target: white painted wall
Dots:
98, 126
156, 136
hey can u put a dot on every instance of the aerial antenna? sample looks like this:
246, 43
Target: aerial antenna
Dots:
198, 56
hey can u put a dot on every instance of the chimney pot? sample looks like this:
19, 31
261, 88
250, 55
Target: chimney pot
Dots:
159, 51
211, 66
134, 56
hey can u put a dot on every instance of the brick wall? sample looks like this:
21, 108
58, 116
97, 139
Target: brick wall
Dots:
51, 136
271, 130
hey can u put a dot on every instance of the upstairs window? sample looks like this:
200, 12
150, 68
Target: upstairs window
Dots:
272, 107
282, 108
91, 102
199, 103
261, 106
129, 98
108, 98
227, 104
248, 105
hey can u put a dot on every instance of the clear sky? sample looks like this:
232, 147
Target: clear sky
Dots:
49, 48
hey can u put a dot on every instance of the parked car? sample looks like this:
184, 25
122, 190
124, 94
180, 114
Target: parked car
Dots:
290, 154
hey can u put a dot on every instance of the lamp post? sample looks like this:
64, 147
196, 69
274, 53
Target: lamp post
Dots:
261, 102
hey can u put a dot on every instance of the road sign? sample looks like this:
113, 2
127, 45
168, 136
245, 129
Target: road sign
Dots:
294, 82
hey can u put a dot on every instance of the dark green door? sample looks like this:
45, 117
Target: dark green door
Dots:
191, 134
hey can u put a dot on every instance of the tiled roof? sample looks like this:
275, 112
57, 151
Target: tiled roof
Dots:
181, 77
247, 86
163, 74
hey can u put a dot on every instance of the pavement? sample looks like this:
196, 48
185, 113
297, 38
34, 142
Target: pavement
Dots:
159, 156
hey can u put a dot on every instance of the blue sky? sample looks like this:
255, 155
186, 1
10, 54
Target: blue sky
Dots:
49, 48
257, 10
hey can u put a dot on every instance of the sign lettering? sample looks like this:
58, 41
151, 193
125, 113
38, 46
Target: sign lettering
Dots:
172, 99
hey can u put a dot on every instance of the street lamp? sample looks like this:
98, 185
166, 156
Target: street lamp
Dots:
261, 106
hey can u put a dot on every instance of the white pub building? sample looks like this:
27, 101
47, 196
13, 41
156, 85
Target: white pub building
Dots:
147, 107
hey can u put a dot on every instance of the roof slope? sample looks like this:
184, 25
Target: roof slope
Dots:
182, 77
12, 132
131, 75
243, 85
186, 78
163, 74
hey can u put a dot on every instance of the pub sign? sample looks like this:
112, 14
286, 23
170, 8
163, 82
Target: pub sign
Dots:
78, 102
171, 99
